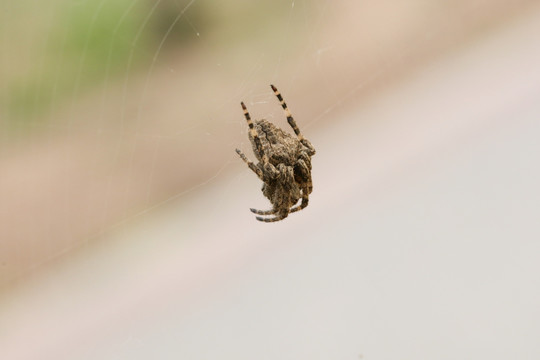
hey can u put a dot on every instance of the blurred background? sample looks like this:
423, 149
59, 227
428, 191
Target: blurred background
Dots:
125, 229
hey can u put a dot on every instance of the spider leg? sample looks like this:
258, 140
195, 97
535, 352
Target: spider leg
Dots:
263, 212
255, 135
290, 119
251, 165
304, 203
278, 217
303, 168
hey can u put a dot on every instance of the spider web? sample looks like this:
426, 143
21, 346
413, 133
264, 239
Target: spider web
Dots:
132, 120
147, 124
162, 120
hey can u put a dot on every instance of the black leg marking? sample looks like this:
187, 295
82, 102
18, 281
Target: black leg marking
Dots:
251, 165
262, 212
305, 201
254, 134
290, 119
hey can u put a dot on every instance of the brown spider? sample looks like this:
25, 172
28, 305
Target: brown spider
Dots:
284, 164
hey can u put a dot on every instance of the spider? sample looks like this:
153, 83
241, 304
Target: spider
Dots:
284, 164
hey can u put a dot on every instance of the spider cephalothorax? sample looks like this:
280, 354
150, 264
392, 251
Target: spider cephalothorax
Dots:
284, 164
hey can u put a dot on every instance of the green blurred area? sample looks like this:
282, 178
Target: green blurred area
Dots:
55, 50
52, 53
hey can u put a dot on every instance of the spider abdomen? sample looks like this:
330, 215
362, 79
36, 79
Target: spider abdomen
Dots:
279, 146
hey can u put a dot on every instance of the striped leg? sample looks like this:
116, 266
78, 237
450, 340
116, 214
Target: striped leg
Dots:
251, 165
254, 135
291, 122
304, 203
262, 212
278, 217
290, 119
